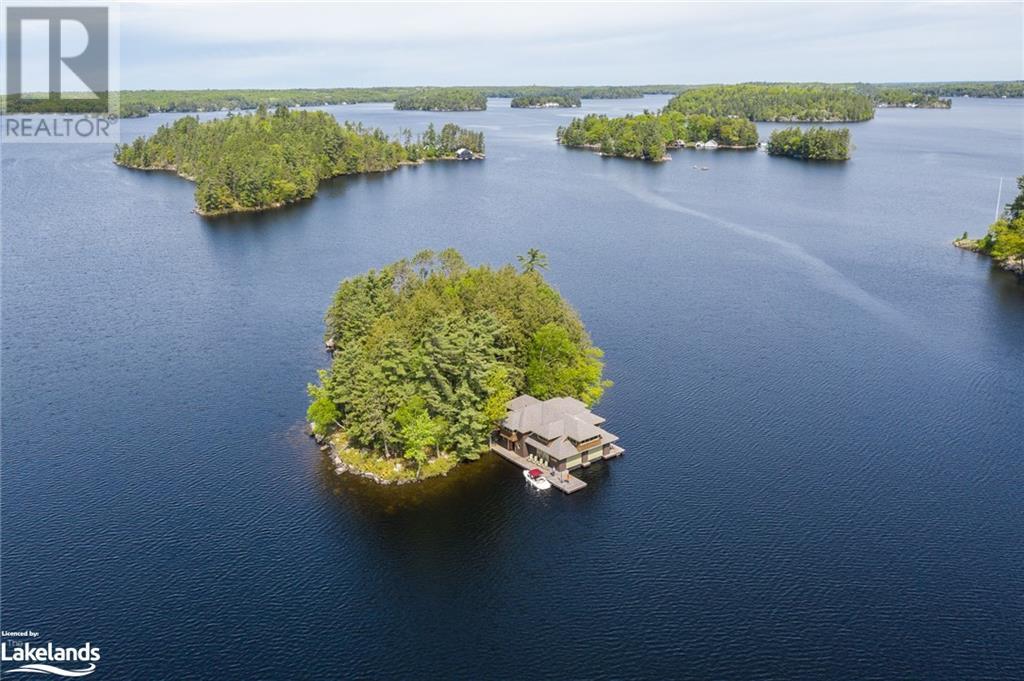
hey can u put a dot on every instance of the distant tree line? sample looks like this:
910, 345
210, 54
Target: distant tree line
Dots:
442, 99
995, 88
143, 102
583, 91
427, 352
262, 160
137, 103
814, 144
647, 136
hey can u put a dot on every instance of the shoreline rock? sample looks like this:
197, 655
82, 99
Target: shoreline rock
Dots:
342, 467
1014, 265
170, 168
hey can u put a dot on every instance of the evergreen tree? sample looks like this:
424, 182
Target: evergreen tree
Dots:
429, 350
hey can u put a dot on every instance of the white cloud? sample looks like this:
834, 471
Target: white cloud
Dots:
250, 44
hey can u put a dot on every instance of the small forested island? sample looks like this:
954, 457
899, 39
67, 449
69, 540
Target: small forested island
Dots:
428, 351
262, 160
785, 102
443, 99
1004, 241
814, 144
647, 136
542, 101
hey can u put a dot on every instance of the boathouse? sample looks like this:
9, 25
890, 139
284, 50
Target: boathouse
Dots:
556, 435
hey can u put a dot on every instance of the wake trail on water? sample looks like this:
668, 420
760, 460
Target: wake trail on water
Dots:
825, 276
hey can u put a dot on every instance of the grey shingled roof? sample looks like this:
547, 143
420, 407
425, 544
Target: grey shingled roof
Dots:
555, 420
520, 402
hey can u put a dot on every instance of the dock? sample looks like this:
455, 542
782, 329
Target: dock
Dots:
563, 481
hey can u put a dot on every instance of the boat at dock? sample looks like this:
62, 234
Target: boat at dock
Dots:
536, 478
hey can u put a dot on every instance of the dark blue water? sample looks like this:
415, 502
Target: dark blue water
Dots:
820, 398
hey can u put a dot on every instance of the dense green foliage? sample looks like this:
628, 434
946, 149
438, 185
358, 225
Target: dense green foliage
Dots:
552, 99
261, 160
429, 350
1005, 237
443, 99
814, 144
648, 135
776, 102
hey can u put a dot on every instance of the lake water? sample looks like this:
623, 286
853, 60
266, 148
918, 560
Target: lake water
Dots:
820, 400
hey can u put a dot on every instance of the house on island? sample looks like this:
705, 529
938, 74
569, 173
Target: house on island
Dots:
556, 435
463, 154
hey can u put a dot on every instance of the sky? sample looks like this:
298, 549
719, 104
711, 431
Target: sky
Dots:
333, 44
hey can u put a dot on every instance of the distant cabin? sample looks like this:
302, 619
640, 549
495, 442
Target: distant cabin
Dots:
464, 154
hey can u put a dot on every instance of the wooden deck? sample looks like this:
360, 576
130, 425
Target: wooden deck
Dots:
568, 484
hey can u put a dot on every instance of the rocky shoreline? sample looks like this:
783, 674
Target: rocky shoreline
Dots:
1014, 265
343, 467
170, 168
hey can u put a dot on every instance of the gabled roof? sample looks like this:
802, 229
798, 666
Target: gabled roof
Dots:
520, 402
554, 422
561, 449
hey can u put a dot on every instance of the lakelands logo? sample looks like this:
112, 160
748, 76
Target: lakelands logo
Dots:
59, 83
39, 659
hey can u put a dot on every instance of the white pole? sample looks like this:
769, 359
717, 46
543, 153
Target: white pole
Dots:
999, 200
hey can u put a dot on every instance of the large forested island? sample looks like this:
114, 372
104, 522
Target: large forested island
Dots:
792, 102
443, 99
1004, 241
548, 100
427, 351
814, 144
647, 136
263, 160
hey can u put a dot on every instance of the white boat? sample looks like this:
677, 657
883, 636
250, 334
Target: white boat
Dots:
537, 479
